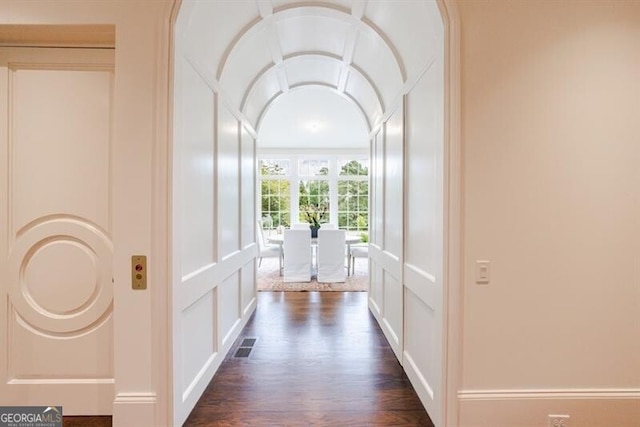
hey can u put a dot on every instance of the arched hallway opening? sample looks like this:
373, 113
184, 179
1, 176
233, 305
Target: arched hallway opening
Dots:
233, 62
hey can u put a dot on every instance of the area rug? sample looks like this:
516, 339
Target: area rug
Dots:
269, 279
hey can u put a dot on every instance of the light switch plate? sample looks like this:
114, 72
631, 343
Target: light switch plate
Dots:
483, 272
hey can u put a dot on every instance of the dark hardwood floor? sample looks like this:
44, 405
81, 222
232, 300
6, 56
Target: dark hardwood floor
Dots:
319, 359
76, 421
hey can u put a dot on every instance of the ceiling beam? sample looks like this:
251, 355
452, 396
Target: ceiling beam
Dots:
273, 41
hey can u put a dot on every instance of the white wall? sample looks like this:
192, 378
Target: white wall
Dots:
551, 125
424, 240
407, 209
213, 225
386, 230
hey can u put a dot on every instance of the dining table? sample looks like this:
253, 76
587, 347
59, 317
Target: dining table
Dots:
279, 239
348, 240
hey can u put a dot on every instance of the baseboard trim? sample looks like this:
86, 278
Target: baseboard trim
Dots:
134, 409
132, 398
532, 407
518, 394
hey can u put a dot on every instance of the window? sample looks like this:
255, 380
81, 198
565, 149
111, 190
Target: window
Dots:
275, 193
337, 187
353, 195
313, 190
310, 168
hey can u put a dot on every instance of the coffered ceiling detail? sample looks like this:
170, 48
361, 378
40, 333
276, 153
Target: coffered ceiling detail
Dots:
259, 50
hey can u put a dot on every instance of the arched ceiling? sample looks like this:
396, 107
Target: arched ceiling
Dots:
258, 50
330, 122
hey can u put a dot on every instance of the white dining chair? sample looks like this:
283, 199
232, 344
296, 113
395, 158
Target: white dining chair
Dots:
267, 250
356, 251
330, 256
299, 226
329, 226
297, 255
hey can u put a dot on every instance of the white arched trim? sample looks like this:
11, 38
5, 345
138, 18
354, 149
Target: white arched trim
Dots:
256, 25
214, 85
293, 6
364, 75
321, 10
369, 25
327, 57
453, 215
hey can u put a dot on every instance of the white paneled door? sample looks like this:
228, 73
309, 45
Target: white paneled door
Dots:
56, 326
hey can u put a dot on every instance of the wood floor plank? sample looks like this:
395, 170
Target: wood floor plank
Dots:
319, 359
86, 421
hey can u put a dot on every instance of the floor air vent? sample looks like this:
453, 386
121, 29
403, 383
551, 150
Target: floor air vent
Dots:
245, 347
243, 352
248, 342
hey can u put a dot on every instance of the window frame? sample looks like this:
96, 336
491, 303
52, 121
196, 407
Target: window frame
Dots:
294, 177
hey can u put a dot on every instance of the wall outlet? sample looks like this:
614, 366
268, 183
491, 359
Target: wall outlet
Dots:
558, 420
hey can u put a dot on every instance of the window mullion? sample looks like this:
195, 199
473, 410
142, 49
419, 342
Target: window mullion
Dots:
333, 190
294, 188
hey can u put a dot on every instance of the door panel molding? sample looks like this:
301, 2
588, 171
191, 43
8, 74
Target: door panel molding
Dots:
56, 249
